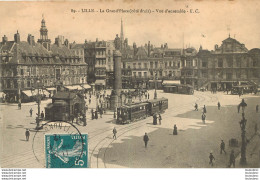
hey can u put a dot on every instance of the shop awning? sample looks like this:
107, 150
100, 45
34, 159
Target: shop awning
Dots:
28, 93
76, 87
152, 80
100, 82
86, 86
171, 82
46, 93
51, 89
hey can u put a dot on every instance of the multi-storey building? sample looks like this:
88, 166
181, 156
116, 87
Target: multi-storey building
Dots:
26, 65
148, 65
229, 64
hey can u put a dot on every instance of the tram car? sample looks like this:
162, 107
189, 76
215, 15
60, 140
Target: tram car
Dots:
157, 105
178, 89
134, 112
65, 106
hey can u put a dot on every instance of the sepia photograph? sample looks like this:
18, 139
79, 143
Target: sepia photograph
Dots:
130, 84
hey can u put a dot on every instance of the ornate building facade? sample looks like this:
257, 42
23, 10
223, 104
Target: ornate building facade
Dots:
231, 63
26, 65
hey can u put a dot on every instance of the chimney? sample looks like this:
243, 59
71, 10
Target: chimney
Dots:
162, 46
166, 46
96, 39
145, 45
17, 37
86, 41
201, 48
58, 41
4, 39
66, 43
135, 49
30, 39
149, 49
216, 47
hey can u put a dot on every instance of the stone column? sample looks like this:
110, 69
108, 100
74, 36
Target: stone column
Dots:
115, 95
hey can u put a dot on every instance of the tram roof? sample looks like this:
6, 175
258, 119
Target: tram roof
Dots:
156, 100
134, 105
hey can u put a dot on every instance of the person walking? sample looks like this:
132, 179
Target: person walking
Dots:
114, 133
218, 105
203, 117
204, 109
42, 115
96, 114
31, 111
222, 147
146, 139
256, 108
160, 119
89, 100
196, 107
175, 132
211, 158
232, 159
27, 134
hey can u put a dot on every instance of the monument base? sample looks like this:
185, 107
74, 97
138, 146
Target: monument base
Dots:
114, 102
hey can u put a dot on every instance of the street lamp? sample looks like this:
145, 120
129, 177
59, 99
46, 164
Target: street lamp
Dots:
243, 133
155, 85
38, 118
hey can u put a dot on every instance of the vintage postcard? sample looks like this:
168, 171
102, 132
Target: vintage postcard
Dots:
130, 84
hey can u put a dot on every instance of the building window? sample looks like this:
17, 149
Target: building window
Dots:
229, 62
238, 75
22, 72
134, 74
165, 64
220, 62
151, 65
170, 64
160, 73
204, 64
134, 64
145, 65
139, 74
156, 64
145, 74
139, 65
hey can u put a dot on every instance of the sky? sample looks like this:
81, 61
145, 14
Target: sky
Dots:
214, 22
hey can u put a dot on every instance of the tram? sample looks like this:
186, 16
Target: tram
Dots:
138, 111
178, 89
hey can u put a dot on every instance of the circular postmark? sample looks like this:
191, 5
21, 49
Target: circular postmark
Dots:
59, 144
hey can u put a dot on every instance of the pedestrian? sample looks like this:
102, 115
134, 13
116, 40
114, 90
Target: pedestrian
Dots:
42, 115
204, 109
115, 114
211, 158
175, 130
114, 133
238, 108
203, 118
256, 108
101, 112
155, 119
19, 105
196, 107
84, 119
89, 100
96, 114
232, 159
31, 111
160, 119
146, 139
27, 134
92, 114
148, 95
222, 147
218, 105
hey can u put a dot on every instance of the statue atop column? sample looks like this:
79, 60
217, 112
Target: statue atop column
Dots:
117, 42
